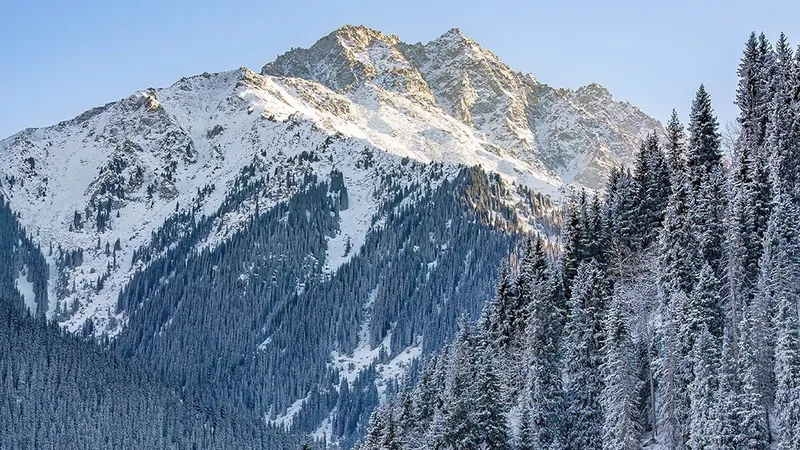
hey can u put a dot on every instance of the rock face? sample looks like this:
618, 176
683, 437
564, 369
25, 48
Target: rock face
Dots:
571, 137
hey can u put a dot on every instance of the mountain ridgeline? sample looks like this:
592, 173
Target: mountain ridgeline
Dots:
670, 318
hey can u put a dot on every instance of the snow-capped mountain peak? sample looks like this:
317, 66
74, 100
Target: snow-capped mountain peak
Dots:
120, 170
576, 136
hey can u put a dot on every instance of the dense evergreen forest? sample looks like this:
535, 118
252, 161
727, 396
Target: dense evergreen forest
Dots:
252, 322
62, 391
670, 319
229, 336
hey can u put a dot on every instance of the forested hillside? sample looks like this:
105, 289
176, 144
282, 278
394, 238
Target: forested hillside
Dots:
254, 322
670, 319
62, 391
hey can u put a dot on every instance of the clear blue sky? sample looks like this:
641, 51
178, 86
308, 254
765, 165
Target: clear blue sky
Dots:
61, 58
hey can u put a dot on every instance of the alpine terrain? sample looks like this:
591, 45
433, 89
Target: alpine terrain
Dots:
260, 259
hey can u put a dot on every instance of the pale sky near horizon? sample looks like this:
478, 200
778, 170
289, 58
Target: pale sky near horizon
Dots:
59, 60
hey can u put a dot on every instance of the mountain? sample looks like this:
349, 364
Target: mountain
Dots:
286, 243
546, 135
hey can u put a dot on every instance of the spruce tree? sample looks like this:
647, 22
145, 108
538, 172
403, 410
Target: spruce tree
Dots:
703, 155
674, 147
787, 324
525, 439
727, 426
703, 389
541, 361
501, 312
708, 218
653, 184
582, 357
679, 247
460, 430
489, 413
672, 421
621, 213
621, 428
783, 135
575, 239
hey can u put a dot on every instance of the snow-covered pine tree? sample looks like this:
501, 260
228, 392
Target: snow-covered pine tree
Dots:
672, 420
541, 358
703, 389
753, 415
489, 411
425, 395
674, 147
703, 154
621, 426
500, 315
458, 404
652, 175
786, 273
708, 219
678, 244
575, 238
377, 429
756, 360
434, 437
525, 438
783, 134
406, 425
390, 439
706, 181
582, 355
533, 275
621, 211
751, 191
597, 245
727, 424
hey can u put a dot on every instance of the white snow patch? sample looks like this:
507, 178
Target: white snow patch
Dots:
396, 368
287, 417
325, 429
349, 366
25, 289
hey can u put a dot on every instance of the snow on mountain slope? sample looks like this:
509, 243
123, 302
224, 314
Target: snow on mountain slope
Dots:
117, 172
561, 136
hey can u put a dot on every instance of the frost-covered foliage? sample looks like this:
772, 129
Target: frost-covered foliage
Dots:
60, 390
678, 299
254, 321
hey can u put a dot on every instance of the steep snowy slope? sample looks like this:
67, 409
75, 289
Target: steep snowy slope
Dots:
555, 135
117, 172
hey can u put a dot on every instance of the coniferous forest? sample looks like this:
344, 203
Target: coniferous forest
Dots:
668, 320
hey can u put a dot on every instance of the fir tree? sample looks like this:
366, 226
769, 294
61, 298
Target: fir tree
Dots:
621, 428
653, 183
783, 135
459, 404
703, 154
674, 147
703, 389
489, 414
678, 244
582, 356
541, 360
786, 273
